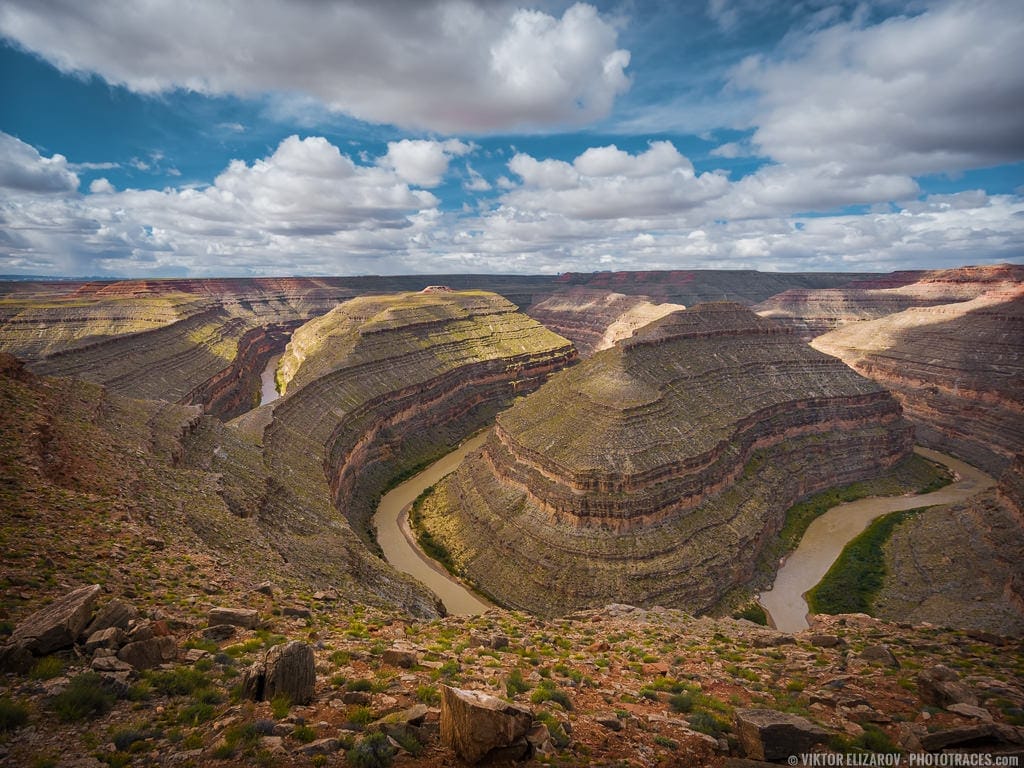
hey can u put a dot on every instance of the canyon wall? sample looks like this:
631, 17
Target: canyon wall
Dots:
960, 565
594, 319
812, 312
957, 369
654, 472
384, 384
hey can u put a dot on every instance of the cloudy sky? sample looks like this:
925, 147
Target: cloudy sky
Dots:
264, 137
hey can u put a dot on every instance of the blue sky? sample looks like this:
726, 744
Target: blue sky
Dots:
270, 138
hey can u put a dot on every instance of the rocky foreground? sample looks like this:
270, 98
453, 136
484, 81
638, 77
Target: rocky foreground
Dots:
263, 677
656, 471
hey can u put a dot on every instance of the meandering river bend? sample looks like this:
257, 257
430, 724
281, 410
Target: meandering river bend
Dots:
827, 535
784, 602
399, 545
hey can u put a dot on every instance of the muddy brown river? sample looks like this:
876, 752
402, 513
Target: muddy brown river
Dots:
828, 534
400, 548
268, 386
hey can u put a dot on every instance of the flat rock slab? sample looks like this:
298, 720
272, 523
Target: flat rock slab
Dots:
58, 625
476, 724
769, 735
246, 618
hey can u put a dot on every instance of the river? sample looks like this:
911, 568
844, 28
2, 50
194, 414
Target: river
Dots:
268, 383
827, 535
395, 537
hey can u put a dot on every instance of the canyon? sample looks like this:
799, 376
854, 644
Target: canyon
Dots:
653, 472
215, 449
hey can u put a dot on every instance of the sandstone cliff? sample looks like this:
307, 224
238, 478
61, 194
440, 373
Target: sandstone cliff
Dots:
655, 471
594, 320
383, 384
957, 369
813, 312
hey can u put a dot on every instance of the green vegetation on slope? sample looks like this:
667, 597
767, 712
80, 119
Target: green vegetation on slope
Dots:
855, 578
916, 475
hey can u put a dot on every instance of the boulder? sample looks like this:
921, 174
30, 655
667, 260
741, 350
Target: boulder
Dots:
116, 613
822, 640
246, 618
400, 657
288, 669
980, 735
476, 724
880, 654
765, 734
59, 624
111, 637
219, 632
610, 721
15, 658
144, 654
940, 686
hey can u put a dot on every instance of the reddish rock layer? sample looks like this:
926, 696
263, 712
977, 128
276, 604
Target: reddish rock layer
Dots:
593, 319
957, 369
655, 471
813, 312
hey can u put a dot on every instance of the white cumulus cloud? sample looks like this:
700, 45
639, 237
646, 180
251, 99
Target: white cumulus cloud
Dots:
22, 168
423, 162
444, 65
937, 92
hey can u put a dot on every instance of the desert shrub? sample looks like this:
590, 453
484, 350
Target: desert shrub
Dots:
373, 751
13, 714
180, 681
84, 697
515, 683
47, 668
280, 704
547, 691
303, 733
709, 723
197, 713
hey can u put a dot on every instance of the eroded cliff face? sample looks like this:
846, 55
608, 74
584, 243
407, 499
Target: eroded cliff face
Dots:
594, 319
957, 369
812, 312
961, 565
384, 384
654, 472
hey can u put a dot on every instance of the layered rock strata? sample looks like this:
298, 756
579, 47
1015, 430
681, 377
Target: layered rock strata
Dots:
813, 312
976, 584
593, 319
957, 369
690, 287
655, 471
383, 384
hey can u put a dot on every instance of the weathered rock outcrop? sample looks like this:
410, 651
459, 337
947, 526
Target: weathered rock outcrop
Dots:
58, 625
382, 384
593, 319
654, 472
812, 312
960, 565
286, 670
475, 724
957, 370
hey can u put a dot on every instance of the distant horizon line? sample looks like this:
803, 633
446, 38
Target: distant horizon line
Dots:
125, 278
